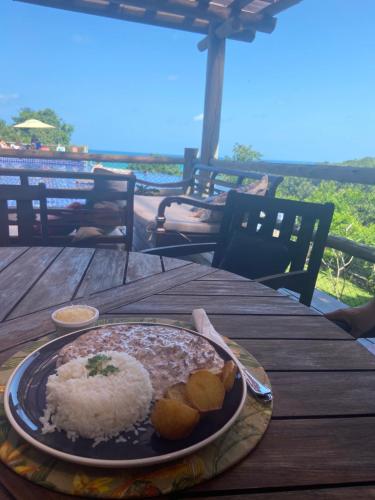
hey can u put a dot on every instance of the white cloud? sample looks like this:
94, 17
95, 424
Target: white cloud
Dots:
5, 98
198, 118
172, 78
80, 39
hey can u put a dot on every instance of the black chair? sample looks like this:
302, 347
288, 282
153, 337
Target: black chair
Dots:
17, 223
103, 217
280, 243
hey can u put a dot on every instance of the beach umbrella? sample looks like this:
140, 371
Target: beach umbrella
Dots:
32, 123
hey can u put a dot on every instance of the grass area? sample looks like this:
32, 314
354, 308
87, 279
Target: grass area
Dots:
352, 295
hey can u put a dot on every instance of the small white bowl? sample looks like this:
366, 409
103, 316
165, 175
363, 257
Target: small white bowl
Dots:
75, 324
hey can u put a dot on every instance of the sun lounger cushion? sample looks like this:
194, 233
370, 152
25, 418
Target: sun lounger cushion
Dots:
178, 217
205, 215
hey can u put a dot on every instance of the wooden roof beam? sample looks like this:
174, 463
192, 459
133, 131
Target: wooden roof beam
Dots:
279, 6
234, 29
239, 4
108, 10
246, 35
209, 12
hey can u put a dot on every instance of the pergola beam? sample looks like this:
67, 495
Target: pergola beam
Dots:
279, 6
229, 20
122, 13
246, 35
235, 30
209, 12
213, 97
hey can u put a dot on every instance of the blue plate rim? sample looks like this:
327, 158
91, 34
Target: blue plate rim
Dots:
94, 462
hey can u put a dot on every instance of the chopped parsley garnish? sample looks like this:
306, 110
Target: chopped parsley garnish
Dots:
95, 366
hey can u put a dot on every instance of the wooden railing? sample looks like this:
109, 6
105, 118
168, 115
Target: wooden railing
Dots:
118, 158
338, 173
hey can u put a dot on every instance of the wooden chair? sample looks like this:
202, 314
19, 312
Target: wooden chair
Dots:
259, 233
17, 224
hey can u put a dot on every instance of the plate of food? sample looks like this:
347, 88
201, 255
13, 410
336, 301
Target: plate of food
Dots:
125, 395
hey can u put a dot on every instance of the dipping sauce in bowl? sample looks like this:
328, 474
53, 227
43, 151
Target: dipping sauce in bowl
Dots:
75, 316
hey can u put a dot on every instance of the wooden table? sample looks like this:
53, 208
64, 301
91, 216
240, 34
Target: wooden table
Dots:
321, 440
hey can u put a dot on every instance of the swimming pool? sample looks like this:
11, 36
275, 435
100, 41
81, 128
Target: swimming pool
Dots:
65, 166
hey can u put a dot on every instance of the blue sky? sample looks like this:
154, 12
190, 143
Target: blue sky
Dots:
305, 92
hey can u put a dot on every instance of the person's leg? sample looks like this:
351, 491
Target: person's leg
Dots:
358, 321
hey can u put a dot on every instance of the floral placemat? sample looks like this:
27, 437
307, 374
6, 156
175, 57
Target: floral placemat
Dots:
73, 479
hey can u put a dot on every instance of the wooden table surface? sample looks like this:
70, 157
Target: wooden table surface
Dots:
321, 440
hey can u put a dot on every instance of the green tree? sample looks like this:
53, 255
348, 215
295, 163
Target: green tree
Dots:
9, 133
60, 134
241, 152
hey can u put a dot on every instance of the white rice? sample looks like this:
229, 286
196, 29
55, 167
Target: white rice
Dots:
97, 407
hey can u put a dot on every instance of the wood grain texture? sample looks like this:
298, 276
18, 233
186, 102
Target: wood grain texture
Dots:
4, 493
219, 305
9, 254
106, 270
310, 354
19, 276
35, 325
306, 394
305, 452
224, 275
247, 326
139, 267
231, 288
58, 283
343, 493
173, 263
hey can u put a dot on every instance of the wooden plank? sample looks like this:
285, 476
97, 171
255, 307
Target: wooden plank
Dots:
141, 266
125, 14
278, 327
367, 344
219, 305
106, 270
232, 288
343, 493
323, 393
9, 254
304, 452
310, 354
261, 327
4, 493
58, 283
18, 331
19, 277
339, 173
170, 263
221, 275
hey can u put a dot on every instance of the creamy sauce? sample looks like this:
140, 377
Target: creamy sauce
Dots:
74, 314
168, 354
